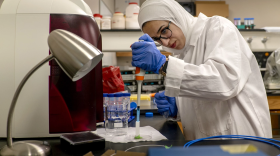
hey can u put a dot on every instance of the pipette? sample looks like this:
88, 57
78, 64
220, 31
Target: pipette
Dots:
139, 76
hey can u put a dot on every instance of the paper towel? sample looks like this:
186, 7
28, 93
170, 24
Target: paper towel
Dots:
154, 134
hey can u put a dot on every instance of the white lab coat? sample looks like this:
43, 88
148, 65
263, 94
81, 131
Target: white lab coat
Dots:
217, 83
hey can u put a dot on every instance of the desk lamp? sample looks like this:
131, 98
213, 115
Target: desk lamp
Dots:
76, 57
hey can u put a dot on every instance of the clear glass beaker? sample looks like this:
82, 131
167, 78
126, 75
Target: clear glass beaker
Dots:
117, 123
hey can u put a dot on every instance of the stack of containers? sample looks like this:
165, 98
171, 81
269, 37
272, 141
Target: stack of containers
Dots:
131, 12
118, 21
109, 123
116, 123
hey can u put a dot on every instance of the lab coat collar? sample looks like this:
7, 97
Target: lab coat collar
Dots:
197, 29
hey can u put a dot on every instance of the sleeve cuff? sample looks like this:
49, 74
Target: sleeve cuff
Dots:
174, 74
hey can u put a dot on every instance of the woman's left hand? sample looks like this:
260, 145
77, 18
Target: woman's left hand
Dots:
166, 103
146, 55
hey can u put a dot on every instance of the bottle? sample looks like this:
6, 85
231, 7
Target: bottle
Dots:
131, 8
246, 22
237, 22
118, 21
252, 23
132, 22
106, 23
97, 18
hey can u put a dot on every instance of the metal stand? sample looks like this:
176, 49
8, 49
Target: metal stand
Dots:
32, 147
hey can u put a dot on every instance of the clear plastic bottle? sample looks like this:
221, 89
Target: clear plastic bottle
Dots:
126, 101
247, 23
166, 113
237, 22
105, 103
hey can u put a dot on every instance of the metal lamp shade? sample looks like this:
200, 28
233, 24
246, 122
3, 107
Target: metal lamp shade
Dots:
74, 55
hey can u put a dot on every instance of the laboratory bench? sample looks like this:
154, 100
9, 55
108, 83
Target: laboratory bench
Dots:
169, 129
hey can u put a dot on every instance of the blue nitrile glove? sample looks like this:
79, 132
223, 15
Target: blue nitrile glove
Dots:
146, 55
165, 103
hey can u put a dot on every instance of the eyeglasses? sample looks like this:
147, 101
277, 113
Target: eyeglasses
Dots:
166, 33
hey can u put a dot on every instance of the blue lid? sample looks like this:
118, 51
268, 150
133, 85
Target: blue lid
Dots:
126, 94
149, 114
252, 18
133, 105
110, 95
105, 94
237, 18
118, 95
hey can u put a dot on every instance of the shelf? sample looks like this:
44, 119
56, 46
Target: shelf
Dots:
121, 30
129, 54
251, 29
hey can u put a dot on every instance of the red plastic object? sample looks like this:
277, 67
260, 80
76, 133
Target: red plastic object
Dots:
112, 80
97, 15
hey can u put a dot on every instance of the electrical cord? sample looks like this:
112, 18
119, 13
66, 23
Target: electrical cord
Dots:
141, 146
240, 136
255, 138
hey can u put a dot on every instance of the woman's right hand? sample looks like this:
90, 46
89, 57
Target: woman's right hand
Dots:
146, 55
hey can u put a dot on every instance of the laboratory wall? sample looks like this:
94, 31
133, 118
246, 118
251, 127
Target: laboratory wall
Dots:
93, 4
265, 12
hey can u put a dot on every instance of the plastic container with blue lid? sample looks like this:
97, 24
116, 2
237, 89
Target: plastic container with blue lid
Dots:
110, 95
118, 94
237, 21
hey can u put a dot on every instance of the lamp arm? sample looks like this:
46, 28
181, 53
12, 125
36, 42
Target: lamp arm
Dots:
13, 104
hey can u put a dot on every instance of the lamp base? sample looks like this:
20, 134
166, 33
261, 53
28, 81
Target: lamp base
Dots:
30, 148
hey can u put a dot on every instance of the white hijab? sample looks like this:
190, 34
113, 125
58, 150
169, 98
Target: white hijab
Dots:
168, 10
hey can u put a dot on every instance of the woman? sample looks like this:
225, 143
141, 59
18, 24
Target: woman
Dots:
213, 77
